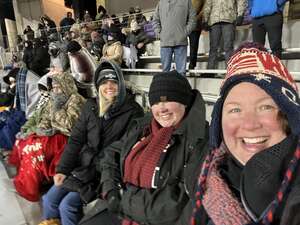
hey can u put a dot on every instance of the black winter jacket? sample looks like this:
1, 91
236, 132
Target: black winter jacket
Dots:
96, 133
258, 182
89, 136
163, 205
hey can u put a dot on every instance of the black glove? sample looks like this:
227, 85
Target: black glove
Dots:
113, 201
239, 20
205, 26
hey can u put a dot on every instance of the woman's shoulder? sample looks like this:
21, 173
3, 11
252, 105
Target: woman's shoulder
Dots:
290, 214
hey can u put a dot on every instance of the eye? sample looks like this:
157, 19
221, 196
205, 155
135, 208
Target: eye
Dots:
266, 107
234, 110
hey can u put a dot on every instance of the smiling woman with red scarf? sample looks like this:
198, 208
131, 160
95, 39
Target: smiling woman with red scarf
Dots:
144, 174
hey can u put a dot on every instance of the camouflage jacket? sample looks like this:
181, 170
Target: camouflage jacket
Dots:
216, 11
63, 119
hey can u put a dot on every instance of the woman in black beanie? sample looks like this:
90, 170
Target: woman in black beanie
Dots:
144, 174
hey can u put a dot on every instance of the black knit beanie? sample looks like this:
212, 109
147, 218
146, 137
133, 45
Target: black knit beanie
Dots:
170, 87
73, 47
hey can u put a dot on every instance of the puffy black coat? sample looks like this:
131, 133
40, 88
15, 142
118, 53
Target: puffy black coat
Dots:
96, 133
165, 204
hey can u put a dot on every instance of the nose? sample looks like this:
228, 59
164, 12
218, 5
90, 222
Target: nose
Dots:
161, 107
250, 121
110, 84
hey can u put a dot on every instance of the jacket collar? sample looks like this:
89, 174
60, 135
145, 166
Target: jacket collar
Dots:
263, 174
194, 130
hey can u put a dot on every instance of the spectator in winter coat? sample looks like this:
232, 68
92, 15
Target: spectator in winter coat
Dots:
41, 58
195, 34
7, 98
97, 45
28, 33
66, 23
49, 24
143, 175
113, 49
37, 154
139, 17
251, 176
137, 37
63, 109
102, 121
267, 19
101, 13
173, 22
27, 93
221, 18
28, 54
31, 124
58, 56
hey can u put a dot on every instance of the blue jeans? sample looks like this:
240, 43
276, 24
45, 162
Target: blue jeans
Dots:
60, 203
180, 57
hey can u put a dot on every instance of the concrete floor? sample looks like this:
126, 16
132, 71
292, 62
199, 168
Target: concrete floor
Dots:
15, 210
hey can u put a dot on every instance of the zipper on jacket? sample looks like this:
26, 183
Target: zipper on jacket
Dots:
248, 210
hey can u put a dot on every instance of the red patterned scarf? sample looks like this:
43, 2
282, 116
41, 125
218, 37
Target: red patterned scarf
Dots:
218, 200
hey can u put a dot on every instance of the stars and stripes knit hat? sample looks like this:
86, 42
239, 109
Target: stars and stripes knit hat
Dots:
252, 63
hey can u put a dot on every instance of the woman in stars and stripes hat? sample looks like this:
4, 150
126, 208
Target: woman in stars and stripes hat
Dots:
251, 175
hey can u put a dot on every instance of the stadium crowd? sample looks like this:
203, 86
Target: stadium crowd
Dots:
83, 146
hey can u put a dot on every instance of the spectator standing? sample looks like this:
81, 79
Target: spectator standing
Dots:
66, 23
28, 54
268, 19
102, 13
221, 18
195, 35
173, 22
49, 24
28, 33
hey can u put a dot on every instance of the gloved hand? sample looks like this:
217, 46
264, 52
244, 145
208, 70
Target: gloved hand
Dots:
205, 26
113, 201
239, 20
45, 132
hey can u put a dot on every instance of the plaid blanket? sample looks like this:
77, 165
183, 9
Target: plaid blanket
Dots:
21, 90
